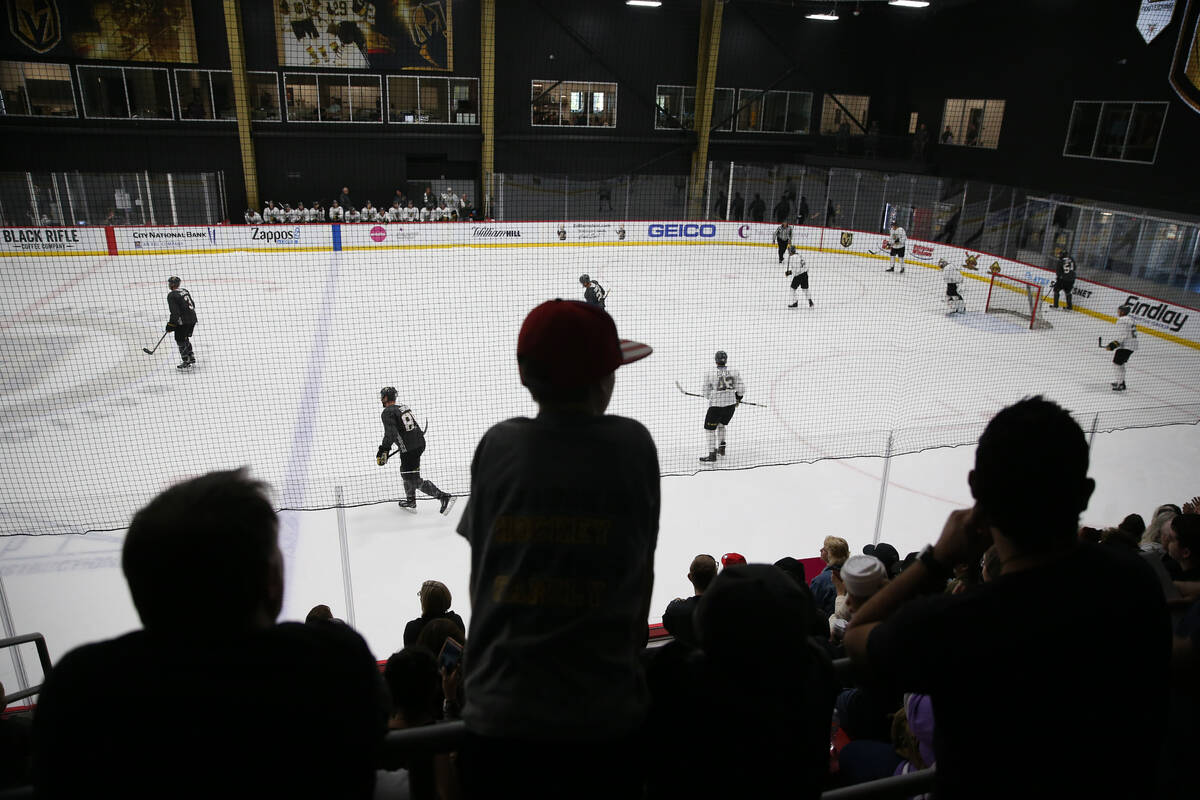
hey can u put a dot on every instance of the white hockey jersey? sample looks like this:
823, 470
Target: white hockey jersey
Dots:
336, 214
316, 215
353, 215
898, 238
952, 274
424, 214
797, 264
292, 215
410, 214
369, 214
253, 218
722, 385
1127, 334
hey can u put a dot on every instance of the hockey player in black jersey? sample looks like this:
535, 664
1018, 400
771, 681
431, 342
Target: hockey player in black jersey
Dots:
182, 321
1064, 277
400, 427
593, 292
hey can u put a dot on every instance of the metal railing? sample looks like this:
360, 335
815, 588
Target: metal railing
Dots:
38, 641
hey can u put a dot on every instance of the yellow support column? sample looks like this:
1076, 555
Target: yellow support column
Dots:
487, 101
706, 77
241, 100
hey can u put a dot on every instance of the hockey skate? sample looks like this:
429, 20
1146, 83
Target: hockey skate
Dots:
409, 505
810, 303
890, 269
185, 364
447, 504
1116, 387
902, 270
711, 457
795, 304
721, 449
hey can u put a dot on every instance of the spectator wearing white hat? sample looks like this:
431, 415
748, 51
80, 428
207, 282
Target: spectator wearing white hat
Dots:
860, 578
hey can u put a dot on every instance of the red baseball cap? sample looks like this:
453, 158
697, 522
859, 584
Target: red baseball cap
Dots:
732, 559
574, 344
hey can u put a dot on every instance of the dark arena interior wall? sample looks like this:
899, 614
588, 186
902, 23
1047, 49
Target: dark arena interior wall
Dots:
1037, 56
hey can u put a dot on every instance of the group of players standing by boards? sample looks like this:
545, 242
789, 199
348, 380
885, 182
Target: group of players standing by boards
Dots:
722, 385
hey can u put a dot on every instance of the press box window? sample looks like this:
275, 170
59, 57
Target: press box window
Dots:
677, 104
31, 89
774, 111
573, 103
840, 108
972, 123
1115, 131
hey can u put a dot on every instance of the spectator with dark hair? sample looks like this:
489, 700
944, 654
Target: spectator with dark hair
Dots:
997, 639
834, 550
413, 683
344, 199
794, 569
435, 604
677, 619
318, 614
563, 522
887, 555
758, 695
206, 575
1184, 546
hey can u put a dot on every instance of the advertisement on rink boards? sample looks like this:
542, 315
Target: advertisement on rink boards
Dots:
221, 238
67, 241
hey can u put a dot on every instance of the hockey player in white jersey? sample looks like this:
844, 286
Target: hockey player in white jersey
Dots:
724, 389
411, 214
369, 213
897, 242
953, 276
425, 214
798, 268
353, 215
1126, 344
253, 217
336, 213
292, 215
269, 211
315, 212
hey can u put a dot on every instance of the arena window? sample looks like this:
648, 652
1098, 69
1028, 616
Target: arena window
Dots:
125, 92
679, 103
972, 123
264, 96
433, 101
833, 115
774, 111
204, 94
30, 89
1115, 130
333, 98
574, 103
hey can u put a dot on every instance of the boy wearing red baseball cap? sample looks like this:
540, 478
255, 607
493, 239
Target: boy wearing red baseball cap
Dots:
563, 521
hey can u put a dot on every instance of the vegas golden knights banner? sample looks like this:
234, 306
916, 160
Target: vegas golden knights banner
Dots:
365, 34
1153, 16
1185, 69
112, 30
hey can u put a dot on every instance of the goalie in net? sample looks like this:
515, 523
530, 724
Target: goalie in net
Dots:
1016, 297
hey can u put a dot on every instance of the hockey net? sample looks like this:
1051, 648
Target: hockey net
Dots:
1023, 299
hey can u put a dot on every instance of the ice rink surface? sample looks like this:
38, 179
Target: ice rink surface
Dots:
293, 349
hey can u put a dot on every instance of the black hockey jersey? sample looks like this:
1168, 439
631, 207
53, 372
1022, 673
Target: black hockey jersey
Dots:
1066, 269
594, 294
400, 427
183, 310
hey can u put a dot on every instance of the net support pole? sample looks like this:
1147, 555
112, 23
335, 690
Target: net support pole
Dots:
487, 98
708, 192
706, 76
729, 193
883, 484
9, 632
1092, 432
344, 548
241, 99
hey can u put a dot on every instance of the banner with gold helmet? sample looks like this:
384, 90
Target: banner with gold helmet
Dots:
1185, 68
365, 34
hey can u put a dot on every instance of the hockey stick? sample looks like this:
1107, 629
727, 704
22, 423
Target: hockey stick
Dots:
693, 394
148, 351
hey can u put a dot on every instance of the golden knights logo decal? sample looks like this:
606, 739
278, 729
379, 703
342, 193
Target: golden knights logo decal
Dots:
35, 23
847, 238
972, 262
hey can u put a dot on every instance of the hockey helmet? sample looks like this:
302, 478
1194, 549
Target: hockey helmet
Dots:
388, 393
791, 249
721, 358
585, 279
1064, 253
942, 264
173, 281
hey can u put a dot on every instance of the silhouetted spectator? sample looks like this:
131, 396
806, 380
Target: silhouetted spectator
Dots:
920, 143
830, 214
739, 206
783, 208
15, 736
677, 619
997, 639
344, 199
206, 575
758, 207
947, 136
562, 521
759, 695
802, 210
435, 604
871, 140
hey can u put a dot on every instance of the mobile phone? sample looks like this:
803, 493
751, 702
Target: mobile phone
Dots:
450, 656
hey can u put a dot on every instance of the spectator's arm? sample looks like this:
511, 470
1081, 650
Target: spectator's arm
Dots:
1189, 589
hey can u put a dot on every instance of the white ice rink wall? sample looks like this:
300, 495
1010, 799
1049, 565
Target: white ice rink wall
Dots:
301, 324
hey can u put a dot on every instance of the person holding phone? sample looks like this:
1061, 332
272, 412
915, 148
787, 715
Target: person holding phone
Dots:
996, 640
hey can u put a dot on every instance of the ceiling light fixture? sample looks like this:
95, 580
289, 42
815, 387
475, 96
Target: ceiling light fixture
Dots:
909, 3
832, 16
644, 3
